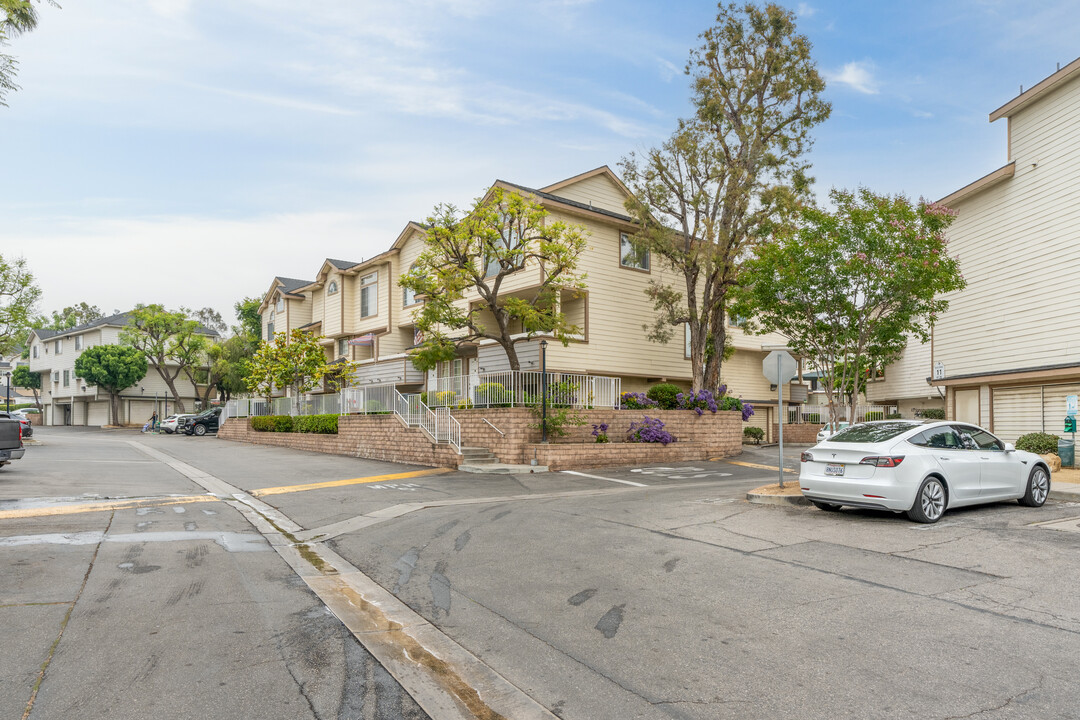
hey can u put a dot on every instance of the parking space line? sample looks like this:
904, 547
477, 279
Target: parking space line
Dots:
102, 506
263, 492
599, 477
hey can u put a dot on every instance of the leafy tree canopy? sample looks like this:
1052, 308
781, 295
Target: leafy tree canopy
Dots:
247, 312
71, 316
16, 17
296, 361
113, 368
18, 297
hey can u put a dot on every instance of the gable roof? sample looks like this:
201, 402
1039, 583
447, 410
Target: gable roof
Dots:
289, 286
1040, 89
564, 201
341, 264
117, 320
603, 170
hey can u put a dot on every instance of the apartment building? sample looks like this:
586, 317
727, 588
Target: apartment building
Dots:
366, 316
67, 399
1007, 354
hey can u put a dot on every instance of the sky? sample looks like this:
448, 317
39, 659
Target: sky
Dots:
186, 152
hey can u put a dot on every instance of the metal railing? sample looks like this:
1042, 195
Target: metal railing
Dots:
819, 414
363, 400
512, 388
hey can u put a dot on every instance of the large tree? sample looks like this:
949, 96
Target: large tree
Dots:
16, 18
113, 368
295, 361
847, 287
170, 340
70, 317
247, 312
467, 260
22, 377
728, 174
18, 298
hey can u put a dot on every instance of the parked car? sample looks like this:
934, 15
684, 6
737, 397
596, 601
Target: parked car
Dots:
174, 423
920, 469
27, 428
11, 444
206, 421
830, 430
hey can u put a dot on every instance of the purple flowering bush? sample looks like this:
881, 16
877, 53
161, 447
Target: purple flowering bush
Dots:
600, 433
699, 401
637, 401
649, 430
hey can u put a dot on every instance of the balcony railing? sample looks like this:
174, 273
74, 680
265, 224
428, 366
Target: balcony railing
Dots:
364, 400
512, 388
819, 414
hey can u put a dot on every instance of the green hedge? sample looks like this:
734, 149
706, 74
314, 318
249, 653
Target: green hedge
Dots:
754, 433
933, 414
665, 394
872, 416
317, 424
894, 416
1038, 443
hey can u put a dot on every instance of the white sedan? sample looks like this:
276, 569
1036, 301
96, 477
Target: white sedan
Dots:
172, 423
830, 429
920, 469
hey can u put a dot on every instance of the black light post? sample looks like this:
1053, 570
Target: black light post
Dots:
543, 391
8, 375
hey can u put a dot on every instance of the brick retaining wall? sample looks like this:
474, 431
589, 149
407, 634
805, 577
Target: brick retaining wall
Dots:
805, 433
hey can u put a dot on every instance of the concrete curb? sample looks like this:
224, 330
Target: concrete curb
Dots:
762, 499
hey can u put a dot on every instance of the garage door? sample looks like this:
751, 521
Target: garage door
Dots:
1018, 411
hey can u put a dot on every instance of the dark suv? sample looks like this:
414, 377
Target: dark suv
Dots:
204, 422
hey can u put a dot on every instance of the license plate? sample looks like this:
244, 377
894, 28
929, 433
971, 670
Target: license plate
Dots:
834, 469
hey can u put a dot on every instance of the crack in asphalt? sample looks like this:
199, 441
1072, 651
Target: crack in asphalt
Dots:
1003, 704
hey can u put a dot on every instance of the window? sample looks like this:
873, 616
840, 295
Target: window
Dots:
510, 242
986, 441
408, 297
56, 376
736, 320
873, 432
280, 304
631, 257
369, 295
270, 331
58, 347
939, 437
78, 342
34, 351
67, 378
331, 289
343, 346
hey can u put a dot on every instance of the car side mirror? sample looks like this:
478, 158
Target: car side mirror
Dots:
1009, 447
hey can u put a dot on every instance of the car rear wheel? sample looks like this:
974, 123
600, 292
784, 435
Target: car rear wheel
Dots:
1038, 487
200, 430
827, 507
929, 502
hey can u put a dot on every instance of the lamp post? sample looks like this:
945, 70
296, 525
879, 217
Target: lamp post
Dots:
8, 376
543, 391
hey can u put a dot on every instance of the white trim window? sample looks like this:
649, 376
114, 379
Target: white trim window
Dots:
58, 346
78, 342
34, 351
369, 295
280, 307
408, 297
67, 378
630, 257
331, 289
343, 347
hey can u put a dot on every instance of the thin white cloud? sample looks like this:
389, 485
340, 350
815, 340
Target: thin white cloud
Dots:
922, 114
858, 75
804, 10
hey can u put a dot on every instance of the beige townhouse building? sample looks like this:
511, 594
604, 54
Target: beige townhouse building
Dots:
366, 316
67, 399
1007, 352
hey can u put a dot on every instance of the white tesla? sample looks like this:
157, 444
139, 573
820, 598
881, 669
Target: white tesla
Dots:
920, 469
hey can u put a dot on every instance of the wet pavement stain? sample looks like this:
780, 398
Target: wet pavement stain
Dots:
582, 596
609, 624
501, 515
440, 589
670, 564
405, 566
445, 528
462, 540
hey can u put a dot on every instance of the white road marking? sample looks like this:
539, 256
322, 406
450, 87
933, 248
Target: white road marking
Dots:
598, 477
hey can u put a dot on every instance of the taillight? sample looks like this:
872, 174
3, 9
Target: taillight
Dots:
806, 457
883, 461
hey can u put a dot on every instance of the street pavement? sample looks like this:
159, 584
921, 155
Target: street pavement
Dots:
638, 592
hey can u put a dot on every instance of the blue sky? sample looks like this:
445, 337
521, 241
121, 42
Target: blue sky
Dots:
185, 152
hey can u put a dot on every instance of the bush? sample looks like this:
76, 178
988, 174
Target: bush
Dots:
492, 395
318, 424
272, 423
730, 402
665, 395
874, 415
699, 401
894, 416
933, 414
375, 407
600, 433
1038, 443
637, 401
649, 430
814, 418
754, 433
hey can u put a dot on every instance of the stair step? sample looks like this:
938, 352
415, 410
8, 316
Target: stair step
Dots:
501, 469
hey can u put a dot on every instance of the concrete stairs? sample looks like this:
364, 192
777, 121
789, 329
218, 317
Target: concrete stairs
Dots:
481, 460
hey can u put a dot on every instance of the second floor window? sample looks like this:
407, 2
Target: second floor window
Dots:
736, 320
343, 346
631, 257
270, 331
67, 378
280, 304
331, 289
78, 342
408, 297
35, 351
58, 347
369, 295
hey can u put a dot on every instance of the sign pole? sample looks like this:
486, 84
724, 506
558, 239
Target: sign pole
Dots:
780, 417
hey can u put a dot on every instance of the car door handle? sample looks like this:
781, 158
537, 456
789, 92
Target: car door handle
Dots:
942, 458
983, 458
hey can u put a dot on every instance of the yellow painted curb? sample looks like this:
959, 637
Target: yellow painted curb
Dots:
263, 492
102, 506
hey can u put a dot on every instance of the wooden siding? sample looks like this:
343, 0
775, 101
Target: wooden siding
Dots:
905, 378
597, 190
1017, 245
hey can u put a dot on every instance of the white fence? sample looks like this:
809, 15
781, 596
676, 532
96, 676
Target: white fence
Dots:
371, 399
819, 414
525, 387
438, 424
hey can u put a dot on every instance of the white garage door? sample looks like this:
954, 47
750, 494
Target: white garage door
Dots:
1018, 411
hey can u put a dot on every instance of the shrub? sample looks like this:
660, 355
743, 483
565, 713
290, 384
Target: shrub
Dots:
272, 423
492, 394
318, 424
375, 407
558, 420
699, 401
730, 402
894, 416
649, 430
813, 418
637, 401
665, 395
873, 415
754, 433
1038, 443
600, 433
933, 414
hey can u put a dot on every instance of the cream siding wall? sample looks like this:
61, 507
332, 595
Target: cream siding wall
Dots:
350, 285
905, 378
1017, 247
598, 190
331, 317
318, 304
299, 311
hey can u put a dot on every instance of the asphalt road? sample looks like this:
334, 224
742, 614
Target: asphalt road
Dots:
644, 592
